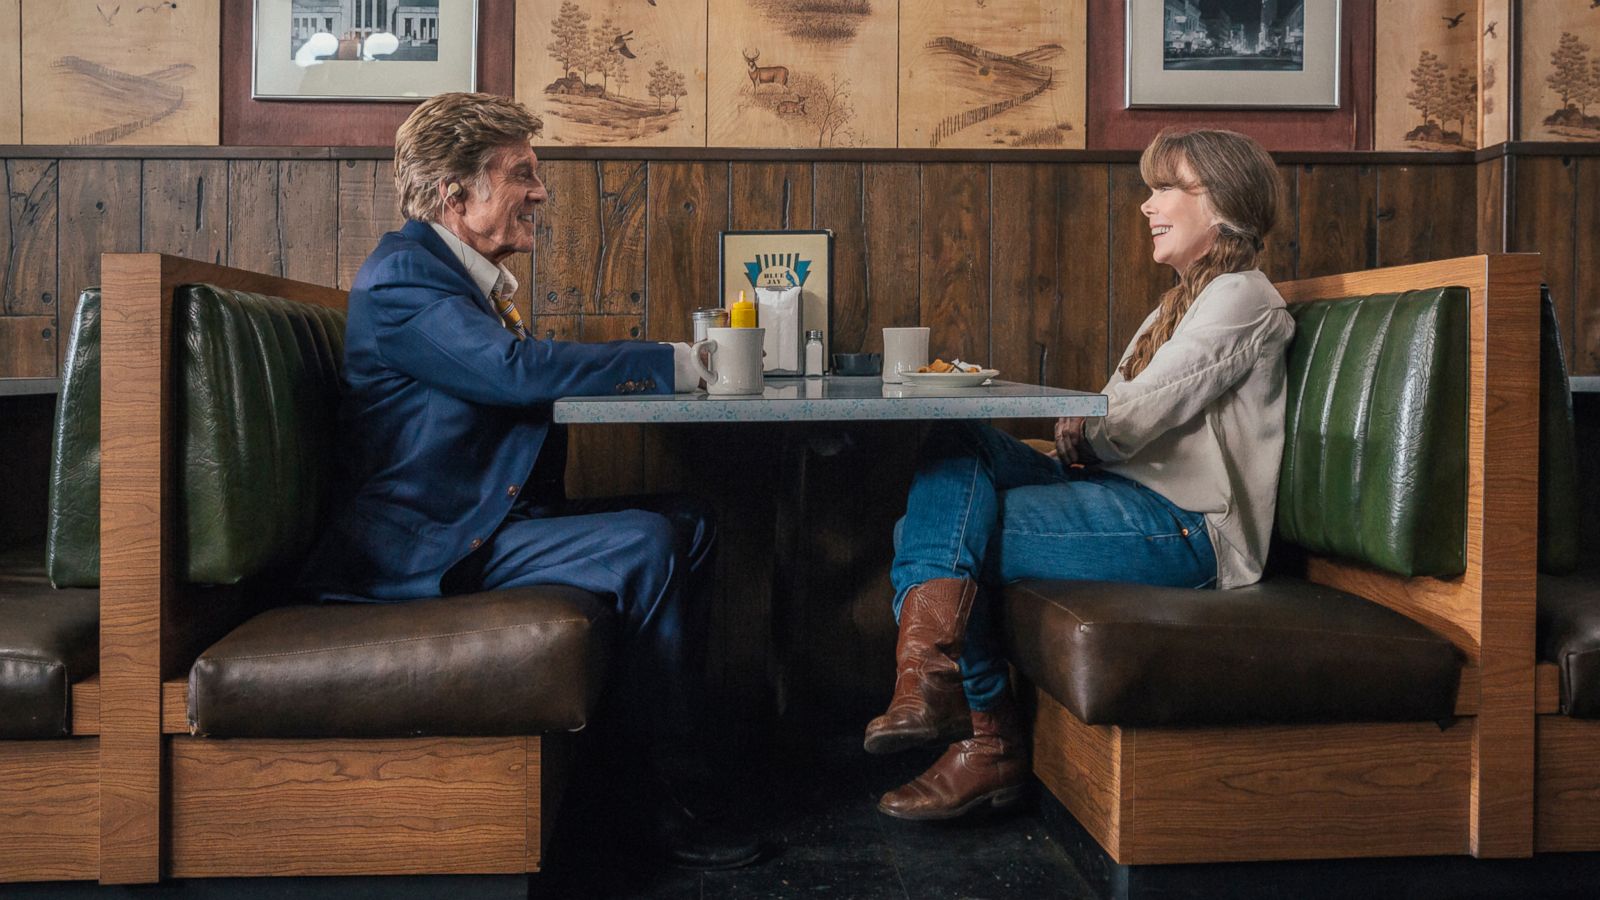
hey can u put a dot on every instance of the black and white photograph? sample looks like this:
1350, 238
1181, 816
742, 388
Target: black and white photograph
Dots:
363, 49
1233, 54
1234, 35
367, 30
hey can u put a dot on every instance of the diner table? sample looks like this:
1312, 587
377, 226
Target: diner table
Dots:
804, 573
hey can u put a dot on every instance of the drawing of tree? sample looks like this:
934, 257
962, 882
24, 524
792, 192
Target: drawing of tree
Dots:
660, 82
603, 59
1589, 91
570, 37
828, 106
1570, 60
1463, 98
677, 88
1429, 82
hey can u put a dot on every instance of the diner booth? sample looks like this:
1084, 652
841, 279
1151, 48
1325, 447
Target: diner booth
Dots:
1404, 704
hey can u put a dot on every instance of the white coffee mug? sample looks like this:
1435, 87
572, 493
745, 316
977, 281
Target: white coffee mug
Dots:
735, 360
904, 350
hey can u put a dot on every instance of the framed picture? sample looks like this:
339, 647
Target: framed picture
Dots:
1233, 53
766, 264
402, 50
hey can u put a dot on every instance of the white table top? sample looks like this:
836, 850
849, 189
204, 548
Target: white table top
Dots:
835, 398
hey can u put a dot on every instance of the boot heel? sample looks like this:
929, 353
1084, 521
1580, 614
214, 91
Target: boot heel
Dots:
1005, 798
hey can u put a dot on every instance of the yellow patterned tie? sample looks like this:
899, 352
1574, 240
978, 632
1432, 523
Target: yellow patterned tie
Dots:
505, 304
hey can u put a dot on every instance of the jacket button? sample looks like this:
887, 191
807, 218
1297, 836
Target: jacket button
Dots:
511, 491
476, 543
619, 387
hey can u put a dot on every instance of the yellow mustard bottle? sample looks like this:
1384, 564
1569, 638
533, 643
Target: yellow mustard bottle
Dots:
743, 314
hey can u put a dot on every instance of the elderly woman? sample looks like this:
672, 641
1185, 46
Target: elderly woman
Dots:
452, 477
1182, 495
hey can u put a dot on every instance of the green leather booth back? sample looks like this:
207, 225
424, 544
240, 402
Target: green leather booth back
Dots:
1560, 550
257, 394
1375, 447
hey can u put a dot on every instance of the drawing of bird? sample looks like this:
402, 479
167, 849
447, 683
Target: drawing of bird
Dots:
651, 2
619, 44
107, 16
156, 7
1454, 20
1489, 32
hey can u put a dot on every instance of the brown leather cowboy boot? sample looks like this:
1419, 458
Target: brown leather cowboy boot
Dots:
928, 703
987, 769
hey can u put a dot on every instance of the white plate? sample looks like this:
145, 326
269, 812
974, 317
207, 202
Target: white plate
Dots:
950, 379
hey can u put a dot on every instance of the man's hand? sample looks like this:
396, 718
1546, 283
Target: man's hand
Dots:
1071, 447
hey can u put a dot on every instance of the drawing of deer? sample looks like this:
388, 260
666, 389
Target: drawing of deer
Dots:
795, 107
760, 75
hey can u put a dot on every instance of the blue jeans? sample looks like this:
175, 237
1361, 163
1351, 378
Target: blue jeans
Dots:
986, 506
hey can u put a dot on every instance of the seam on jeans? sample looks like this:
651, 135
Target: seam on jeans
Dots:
1082, 534
410, 640
961, 539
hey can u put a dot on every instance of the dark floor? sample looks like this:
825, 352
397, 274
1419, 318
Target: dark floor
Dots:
818, 810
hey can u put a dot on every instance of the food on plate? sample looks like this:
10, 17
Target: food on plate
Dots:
955, 365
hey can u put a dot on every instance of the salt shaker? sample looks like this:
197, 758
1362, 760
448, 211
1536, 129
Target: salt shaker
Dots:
813, 353
708, 317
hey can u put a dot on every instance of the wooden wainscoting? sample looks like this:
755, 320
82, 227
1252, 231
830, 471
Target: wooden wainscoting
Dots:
50, 792
247, 807
1183, 795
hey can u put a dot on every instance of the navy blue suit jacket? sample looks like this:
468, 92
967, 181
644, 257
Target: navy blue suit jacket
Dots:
443, 416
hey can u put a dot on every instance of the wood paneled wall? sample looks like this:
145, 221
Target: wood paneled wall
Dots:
1042, 269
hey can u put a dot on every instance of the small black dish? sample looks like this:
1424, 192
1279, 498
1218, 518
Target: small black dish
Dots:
857, 363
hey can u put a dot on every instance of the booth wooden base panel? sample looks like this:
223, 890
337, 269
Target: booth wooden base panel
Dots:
1567, 805
358, 807
1239, 794
50, 794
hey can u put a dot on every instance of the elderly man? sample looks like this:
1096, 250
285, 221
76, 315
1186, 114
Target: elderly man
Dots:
453, 468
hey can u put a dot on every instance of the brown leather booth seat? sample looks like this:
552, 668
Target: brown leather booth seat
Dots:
508, 662
49, 640
1284, 650
1569, 636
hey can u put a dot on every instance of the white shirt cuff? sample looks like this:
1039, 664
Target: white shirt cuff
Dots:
684, 376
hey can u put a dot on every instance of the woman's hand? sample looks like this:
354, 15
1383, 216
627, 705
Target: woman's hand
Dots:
1070, 444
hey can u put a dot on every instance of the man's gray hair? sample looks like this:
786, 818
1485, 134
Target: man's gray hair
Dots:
452, 137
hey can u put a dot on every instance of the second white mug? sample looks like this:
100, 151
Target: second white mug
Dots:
735, 360
904, 350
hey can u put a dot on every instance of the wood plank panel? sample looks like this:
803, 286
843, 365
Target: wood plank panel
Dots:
623, 202
10, 71
1077, 356
100, 200
1296, 792
1426, 75
765, 196
185, 204
1418, 213
50, 793
605, 460
1553, 73
1082, 766
1495, 61
253, 216
28, 267
688, 209
368, 207
955, 260
567, 246
1137, 281
1585, 341
1543, 204
308, 220
120, 73
1338, 219
28, 346
404, 806
892, 223
838, 206
1025, 308
1492, 205
1567, 808
1281, 257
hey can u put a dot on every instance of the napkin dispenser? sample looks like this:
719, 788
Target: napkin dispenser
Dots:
779, 310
